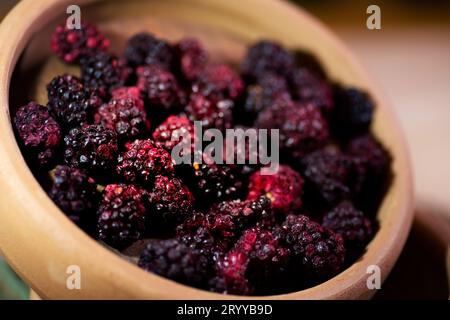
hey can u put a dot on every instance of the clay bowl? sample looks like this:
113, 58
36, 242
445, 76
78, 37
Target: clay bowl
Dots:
40, 242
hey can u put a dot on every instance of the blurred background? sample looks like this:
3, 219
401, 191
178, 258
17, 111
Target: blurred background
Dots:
410, 59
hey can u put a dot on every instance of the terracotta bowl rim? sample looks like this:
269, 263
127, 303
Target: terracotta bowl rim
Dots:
16, 31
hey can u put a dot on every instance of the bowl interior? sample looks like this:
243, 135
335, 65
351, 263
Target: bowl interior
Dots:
225, 29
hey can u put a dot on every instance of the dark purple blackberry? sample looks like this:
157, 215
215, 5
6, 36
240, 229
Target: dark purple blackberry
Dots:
254, 265
230, 274
69, 102
142, 161
219, 82
318, 253
174, 260
212, 182
191, 57
103, 72
311, 89
75, 194
302, 128
352, 113
351, 224
284, 189
331, 176
122, 215
246, 213
171, 202
160, 88
39, 133
172, 131
375, 157
145, 49
92, 148
126, 116
264, 92
211, 112
72, 45
266, 56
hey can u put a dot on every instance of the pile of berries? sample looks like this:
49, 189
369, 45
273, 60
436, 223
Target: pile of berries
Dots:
107, 140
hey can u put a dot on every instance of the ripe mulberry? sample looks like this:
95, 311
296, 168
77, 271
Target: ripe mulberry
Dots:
39, 133
145, 49
191, 57
72, 45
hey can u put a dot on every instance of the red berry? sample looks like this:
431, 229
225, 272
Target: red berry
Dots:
284, 189
72, 45
172, 131
192, 58
39, 133
142, 161
211, 112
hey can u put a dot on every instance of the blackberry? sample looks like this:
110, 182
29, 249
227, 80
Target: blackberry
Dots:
142, 161
191, 57
126, 93
311, 89
72, 45
267, 258
246, 213
352, 113
69, 102
126, 116
145, 49
302, 128
230, 274
160, 88
266, 56
350, 223
212, 182
103, 72
284, 189
264, 92
172, 131
171, 202
122, 215
219, 82
92, 148
172, 259
318, 253
75, 193
372, 153
39, 133
211, 112
331, 176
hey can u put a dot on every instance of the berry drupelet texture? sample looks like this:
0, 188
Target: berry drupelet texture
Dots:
211, 112
145, 49
172, 131
191, 58
104, 72
75, 193
92, 148
72, 45
171, 202
174, 260
219, 82
160, 88
267, 56
126, 116
351, 224
311, 89
69, 102
353, 112
142, 161
39, 133
122, 215
318, 253
302, 128
127, 93
284, 189
331, 176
